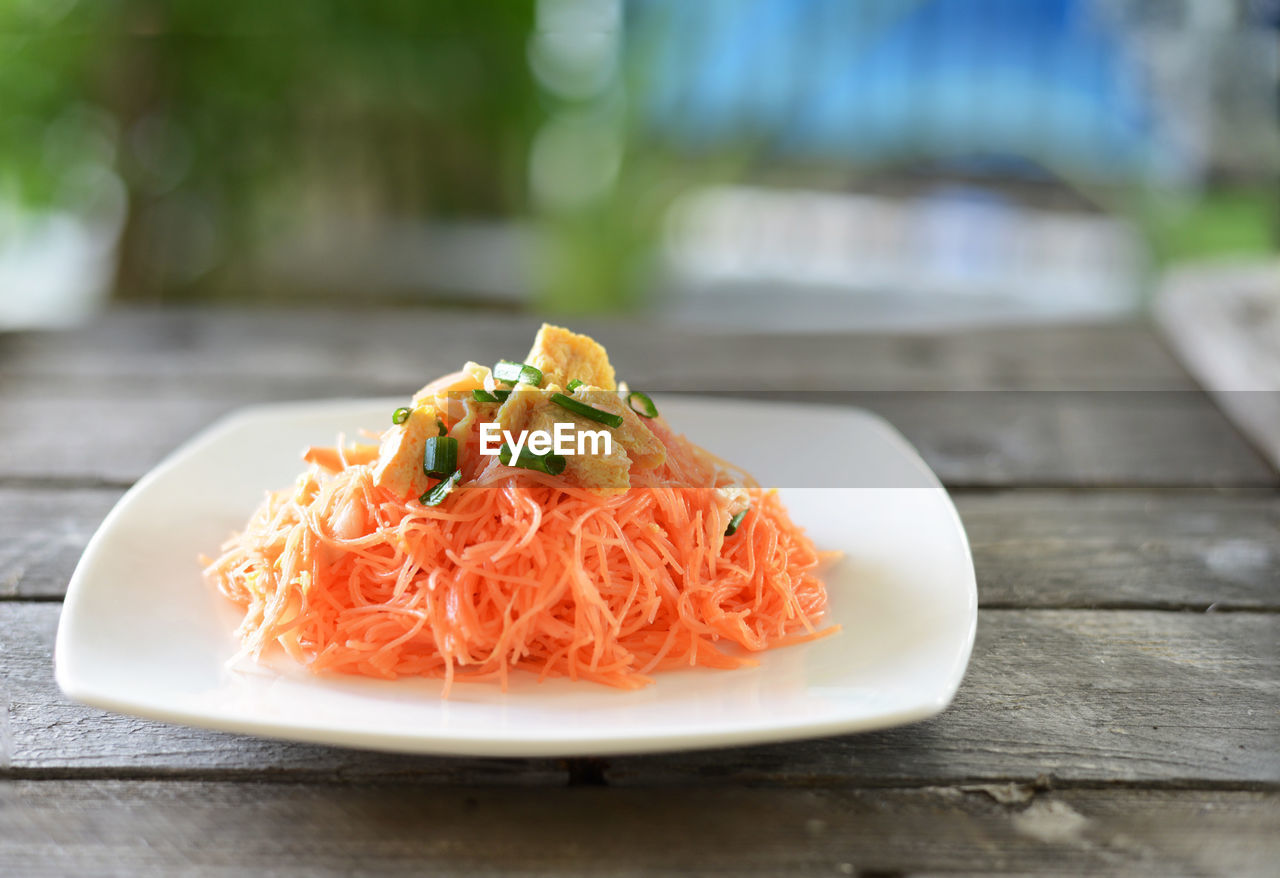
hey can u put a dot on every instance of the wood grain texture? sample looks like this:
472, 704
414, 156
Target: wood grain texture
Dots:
1076, 695
160, 828
399, 347
132, 430
1172, 550
43, 533
1053, 549
45, 733
1082, 696
1073, 438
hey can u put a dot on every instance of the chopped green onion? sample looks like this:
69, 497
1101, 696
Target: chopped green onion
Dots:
400, 415
440, 456
645, 407
441, 489
551, 464
517, 373
609, 419
574, 385
441, 428
735, 521
485, 396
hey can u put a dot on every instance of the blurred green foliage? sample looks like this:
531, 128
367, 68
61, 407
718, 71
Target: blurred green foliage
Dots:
1229, 220
229, 120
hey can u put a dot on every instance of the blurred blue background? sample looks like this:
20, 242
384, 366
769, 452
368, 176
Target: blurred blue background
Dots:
993, 87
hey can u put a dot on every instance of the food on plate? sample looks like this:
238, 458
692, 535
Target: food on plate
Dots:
532, 516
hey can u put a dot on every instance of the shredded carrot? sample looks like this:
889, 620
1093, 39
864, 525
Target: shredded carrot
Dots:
518, 570
336, 458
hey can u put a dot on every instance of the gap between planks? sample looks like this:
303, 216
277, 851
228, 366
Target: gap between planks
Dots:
572, 769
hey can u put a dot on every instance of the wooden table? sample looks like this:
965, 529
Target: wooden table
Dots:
1121, 711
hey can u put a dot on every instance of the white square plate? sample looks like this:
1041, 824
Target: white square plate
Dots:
142, 634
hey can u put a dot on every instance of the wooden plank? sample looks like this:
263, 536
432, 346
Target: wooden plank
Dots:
42, 534
1153, 550
996, 439
1076, 695
43, 732
114, 438
139, 828
1130, 696
404, 347
1082, 696
1074, 439
1057, 549
204, 347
